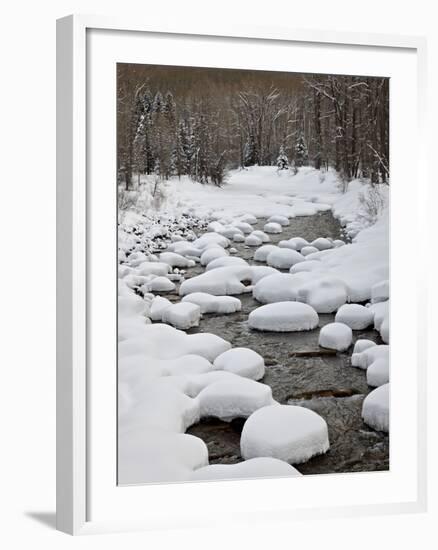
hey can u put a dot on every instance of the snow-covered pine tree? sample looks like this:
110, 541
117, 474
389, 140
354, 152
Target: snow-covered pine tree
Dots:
301, 153
282, 160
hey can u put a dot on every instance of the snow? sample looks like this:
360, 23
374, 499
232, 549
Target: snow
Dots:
283, 317
214, 304
272, 228
242, 361
279, 287
290, 433
306, 250
234, 398
158, 306
276, 218
253, 240
378, 373
238, 238
153, 268
225, 261
248, 218
357, 317
249, 469
183, 315
184, 248
323, 292
261, 254
375, 408
175, 260
261, 235
244, 227
284, 258
380, 292
210, 239
164, 372
157, 456
365, 358
335, 336
212, 253
260, 272
219, 282
165, 342
160, 284
363, 344
322, 244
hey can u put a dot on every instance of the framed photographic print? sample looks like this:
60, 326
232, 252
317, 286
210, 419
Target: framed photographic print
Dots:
235, 209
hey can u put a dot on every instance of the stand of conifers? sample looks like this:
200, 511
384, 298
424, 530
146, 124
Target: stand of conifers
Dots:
176, 121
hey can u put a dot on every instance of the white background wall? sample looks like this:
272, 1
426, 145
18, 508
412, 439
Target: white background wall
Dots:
27, 306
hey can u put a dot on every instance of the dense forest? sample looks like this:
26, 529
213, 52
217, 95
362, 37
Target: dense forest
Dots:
175, 121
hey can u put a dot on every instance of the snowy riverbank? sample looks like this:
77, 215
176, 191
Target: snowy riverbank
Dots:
168, 379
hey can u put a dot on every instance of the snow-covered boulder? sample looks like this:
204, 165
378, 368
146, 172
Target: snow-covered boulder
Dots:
384, 330
308, 265
140, 456
380, 311
290, 433
260, 271
306, 250
248, 218
378, 373
364, 359
324, 293
214, 304
158, 306
160, 284
236, 397
229, 231
363, 344
261, 235
322, 243
296, 243
280, 287
380, 292
176, 260
153, 268
338, 242
244, 227
248, 469
225, 261
253, 240
261, 254
272, 228
165, 342
357, 317
210, 239
242, 361
277, 218
284, 258
212, 253
283, 317
186, 364
375, 409
239, 238
222, 281
184, 248
183, 315
335, 336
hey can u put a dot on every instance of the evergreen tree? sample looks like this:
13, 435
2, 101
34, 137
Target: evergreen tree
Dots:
282, 160
301, 154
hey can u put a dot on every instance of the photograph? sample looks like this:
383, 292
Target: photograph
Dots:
253, 271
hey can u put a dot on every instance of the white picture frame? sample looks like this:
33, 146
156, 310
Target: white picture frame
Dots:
75, 396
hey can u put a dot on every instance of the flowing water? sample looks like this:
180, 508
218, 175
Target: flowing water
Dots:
300, 373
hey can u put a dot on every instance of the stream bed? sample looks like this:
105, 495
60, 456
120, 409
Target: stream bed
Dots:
299, 373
